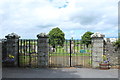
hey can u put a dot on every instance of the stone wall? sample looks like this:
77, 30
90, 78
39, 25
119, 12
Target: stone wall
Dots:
111, 52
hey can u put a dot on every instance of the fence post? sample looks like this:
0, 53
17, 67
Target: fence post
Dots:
97, 49
12, 48
42, 50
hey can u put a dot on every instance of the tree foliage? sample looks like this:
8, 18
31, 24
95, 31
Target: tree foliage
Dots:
86, 38
117, 44
56, 37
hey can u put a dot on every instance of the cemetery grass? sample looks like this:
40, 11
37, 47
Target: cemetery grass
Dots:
68, 54
76, 49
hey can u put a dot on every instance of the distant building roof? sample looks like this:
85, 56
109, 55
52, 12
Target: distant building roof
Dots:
110, 39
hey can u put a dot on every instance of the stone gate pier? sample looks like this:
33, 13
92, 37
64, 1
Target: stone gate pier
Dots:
98, 49
12, 48
42, 50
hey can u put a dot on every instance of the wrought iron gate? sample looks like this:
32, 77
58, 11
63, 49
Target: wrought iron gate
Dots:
72, 54
27, 56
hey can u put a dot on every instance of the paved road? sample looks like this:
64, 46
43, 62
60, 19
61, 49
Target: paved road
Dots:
59, 73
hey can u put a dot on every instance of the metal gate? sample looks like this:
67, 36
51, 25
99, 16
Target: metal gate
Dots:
72, 54
27, 56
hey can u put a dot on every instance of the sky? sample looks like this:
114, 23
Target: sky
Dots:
27, 18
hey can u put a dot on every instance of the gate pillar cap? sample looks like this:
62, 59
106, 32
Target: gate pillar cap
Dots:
42, 35
12, 35
97, 34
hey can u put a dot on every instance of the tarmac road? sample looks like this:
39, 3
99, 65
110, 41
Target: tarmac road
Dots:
58, 73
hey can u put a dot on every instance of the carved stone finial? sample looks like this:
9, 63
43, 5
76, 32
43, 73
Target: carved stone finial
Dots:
97, 34
42, 35
12, 35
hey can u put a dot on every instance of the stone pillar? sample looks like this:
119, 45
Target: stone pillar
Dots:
0, 59
42, 50
12, 48
97, 49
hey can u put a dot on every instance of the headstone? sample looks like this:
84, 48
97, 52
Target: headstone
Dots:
97, 50
82, 51
42, 50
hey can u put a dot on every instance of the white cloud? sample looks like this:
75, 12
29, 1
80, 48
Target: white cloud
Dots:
35, 16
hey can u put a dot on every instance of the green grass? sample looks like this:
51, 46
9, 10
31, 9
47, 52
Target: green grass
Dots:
68, 54
77, 49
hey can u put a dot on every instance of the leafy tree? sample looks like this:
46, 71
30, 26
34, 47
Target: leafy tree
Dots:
117, 44
56, 37
86, 38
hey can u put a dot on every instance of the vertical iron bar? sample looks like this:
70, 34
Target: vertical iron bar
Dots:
29, 55
66, 52
56, 59
34, 53
77, 51
21, 53
74, 52
84, 56
70, 53
48, 53
77, 46
63, 54
24, 52
18, 55
37, 52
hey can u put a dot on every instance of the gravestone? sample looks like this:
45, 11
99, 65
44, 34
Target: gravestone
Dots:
12, 48
42, 50
98, 49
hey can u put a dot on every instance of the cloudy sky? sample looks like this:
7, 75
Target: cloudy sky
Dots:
30, 17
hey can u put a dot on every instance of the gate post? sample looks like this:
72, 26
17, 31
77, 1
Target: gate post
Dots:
12, 49
97, 49
42, 50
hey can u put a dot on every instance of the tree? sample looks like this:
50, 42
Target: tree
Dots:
117, 44
56, 37
86, 38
